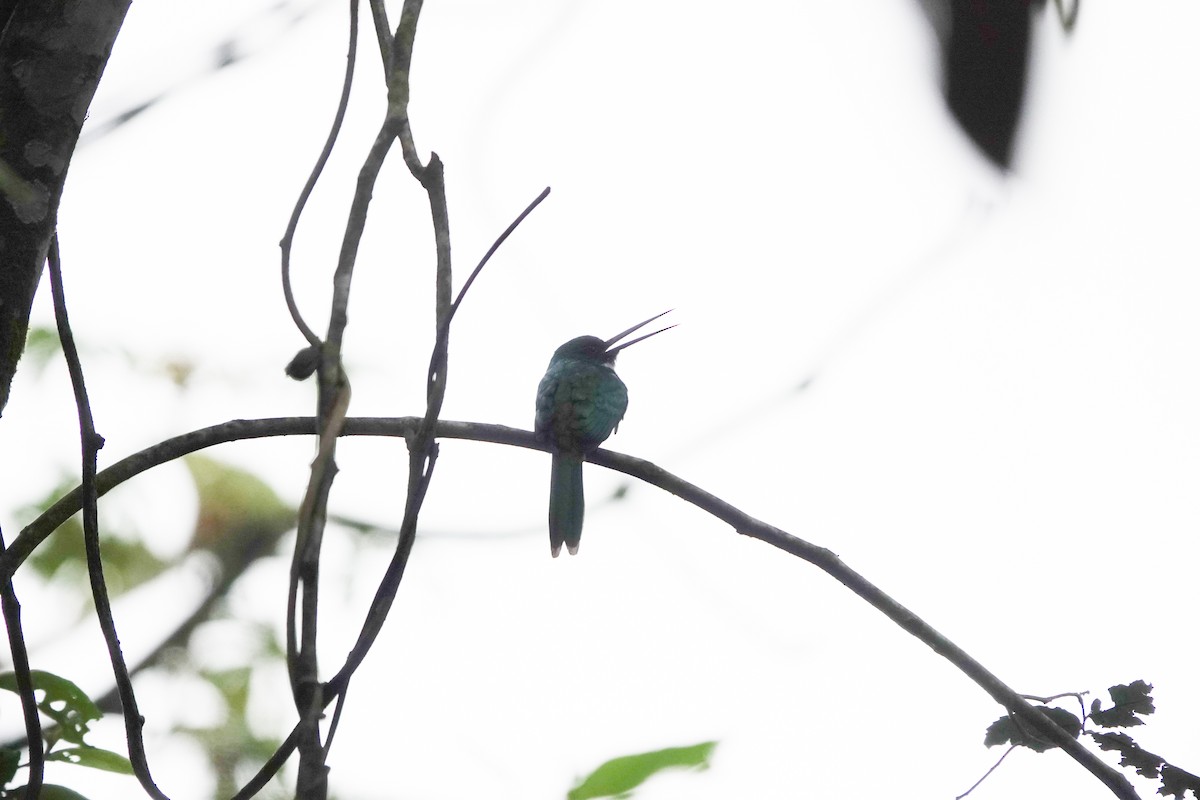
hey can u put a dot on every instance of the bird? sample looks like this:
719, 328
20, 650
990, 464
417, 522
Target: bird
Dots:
580, 402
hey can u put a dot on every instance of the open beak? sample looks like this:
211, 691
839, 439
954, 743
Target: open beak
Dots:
608, 346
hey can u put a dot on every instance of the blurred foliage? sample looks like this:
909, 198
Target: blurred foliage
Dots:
127, 561
232, 747
239, 520
50, 791
620, 776
41, 345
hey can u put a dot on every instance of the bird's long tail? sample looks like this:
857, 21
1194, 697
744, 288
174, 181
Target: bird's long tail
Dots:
566, 502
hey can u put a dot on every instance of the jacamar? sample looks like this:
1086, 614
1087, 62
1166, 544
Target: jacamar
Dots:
580, 401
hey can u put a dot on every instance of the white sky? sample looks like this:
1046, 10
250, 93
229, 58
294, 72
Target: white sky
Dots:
1002, 431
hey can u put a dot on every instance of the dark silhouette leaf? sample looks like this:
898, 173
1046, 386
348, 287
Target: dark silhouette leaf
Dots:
1128, 700
1006, 730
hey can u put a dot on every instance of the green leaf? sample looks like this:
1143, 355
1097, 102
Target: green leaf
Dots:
620, 776
1006, 730
61, 701
94, 757
10, 759
1128, 700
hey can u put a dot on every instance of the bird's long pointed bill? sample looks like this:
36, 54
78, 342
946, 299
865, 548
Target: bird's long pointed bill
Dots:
608, 346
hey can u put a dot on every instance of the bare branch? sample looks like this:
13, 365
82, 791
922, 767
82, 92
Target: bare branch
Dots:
422, 457
333, 399
285, 244
826, 560
462, 293
272, 766
91, 442
24, 679
383, 32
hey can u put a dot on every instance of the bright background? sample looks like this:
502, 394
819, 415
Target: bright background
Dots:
979, 390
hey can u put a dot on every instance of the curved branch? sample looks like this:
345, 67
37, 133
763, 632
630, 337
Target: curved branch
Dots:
285, 244
90, 444
24, 678
743, 523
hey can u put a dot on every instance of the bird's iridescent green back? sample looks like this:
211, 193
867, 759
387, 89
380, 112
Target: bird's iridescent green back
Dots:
580, 401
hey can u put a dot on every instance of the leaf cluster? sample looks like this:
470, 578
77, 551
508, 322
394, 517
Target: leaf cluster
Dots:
1130, 703
71, 712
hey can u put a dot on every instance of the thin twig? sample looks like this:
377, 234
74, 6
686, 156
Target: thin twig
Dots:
333, 391
492, 250
285, 244
355, 226
975, 785
91, 442
312, 779
270, 767
422, 458
383, 32
423, 450
398, 83
303, 566
826, 560
333, 722
24, 678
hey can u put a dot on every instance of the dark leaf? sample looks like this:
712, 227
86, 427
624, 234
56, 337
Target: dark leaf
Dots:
1007, 730
1002, 731
1146, 763
1128, 700
1176, 781
10, 759
52, 791
304, 363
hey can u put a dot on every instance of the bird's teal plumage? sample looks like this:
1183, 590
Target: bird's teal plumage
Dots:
580, 401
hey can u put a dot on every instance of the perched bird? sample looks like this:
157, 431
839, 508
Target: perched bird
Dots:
580, 401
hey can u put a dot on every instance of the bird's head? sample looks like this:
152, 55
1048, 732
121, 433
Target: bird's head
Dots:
595, 350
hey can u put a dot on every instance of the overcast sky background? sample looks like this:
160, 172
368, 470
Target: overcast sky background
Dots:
998, 424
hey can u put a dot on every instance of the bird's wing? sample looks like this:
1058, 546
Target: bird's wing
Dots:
602, 402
